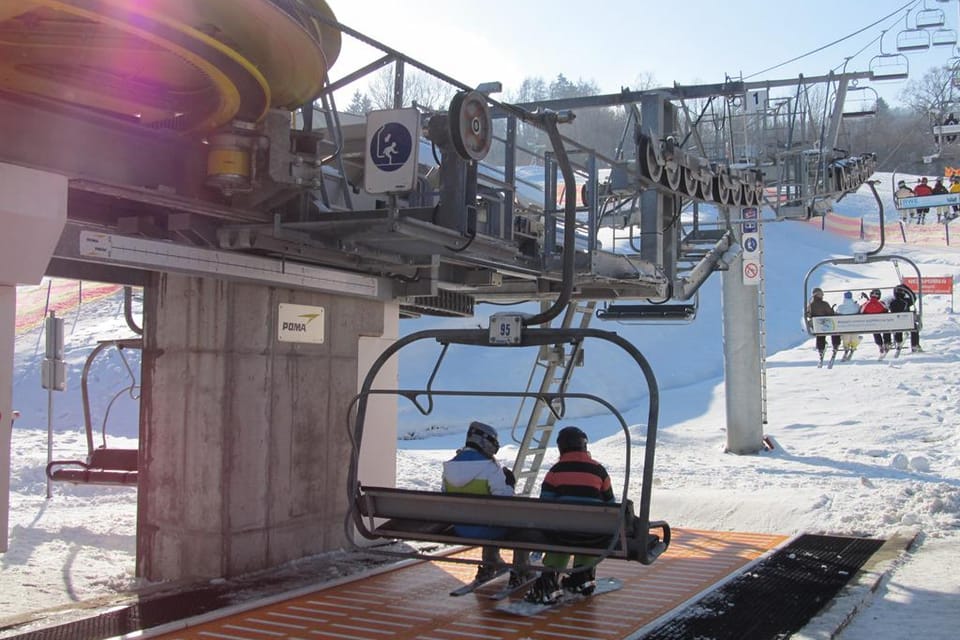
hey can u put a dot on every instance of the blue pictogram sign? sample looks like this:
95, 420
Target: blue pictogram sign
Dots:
750, 244
390, 146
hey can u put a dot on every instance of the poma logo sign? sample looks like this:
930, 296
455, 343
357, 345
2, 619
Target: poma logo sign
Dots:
300, 326
300, 323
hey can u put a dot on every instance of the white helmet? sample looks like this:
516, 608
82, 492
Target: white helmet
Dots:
483, 438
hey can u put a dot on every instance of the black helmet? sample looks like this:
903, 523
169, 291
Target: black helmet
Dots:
903, 292
875, 294
483, 438
817, 291
571, 439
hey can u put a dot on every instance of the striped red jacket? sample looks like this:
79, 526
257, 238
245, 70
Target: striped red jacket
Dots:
577, 477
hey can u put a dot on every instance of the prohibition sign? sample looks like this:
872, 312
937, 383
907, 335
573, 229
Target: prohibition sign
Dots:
751, 269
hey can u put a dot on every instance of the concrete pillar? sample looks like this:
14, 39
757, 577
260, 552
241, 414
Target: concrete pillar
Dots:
8, 324
33, 211
244, 445
741, 361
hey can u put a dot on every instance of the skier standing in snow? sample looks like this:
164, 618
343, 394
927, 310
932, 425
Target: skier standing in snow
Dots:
820, 307
576, 477
474, 470
849, 307
875, 305
903, 300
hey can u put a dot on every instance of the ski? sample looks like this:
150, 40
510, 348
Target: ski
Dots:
473, 585
833, 358
527, 609
820, 364
511, 589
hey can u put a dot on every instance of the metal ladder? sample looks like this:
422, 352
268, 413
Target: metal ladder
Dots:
553, 359
762, 329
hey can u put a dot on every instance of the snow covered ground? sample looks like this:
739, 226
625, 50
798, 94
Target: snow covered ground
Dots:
870, 447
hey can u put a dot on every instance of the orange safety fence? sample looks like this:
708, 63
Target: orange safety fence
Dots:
933, 235
34, 302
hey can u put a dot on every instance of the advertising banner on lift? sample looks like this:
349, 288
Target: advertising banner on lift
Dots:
863, 323
393, 139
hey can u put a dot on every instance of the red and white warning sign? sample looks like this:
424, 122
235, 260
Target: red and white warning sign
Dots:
751, 272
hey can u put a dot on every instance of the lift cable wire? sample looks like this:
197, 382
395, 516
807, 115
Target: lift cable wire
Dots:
907, 6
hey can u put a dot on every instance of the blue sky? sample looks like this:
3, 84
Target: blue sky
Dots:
616, 43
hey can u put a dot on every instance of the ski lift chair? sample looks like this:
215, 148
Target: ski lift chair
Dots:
104, 465
910, 40
620, 530
860, 102
943, 38
863, 322
888, 66
930, 18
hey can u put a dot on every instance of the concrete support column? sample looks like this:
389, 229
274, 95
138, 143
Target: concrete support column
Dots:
741, 361
244, 442
8, 324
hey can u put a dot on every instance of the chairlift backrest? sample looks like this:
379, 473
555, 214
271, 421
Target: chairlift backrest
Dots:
928, 18
943, 38
860, 102
913, 40
889, 66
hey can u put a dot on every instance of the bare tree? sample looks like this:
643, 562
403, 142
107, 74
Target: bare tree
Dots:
418, 87
932, 95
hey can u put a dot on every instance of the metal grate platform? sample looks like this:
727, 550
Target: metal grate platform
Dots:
778, 596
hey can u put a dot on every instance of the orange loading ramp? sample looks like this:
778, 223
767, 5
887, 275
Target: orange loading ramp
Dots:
414, 601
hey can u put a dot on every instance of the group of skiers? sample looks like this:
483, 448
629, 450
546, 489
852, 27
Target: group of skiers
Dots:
576, 476
944, 213
903, 300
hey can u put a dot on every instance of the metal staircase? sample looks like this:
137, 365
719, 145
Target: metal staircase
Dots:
557, 363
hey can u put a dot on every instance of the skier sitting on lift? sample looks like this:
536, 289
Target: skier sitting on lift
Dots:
474, 470
903, 191
921, 190
903, 300
820, 307
875, 305
576, 477
849, 307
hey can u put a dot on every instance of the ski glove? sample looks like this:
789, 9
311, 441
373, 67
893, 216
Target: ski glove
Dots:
510, 478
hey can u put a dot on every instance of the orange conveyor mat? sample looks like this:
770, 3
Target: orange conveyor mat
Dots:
414, 601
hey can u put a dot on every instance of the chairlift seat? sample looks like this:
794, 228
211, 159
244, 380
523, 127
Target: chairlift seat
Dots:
929, 18
889, 66
676, 312
913, 40
533, 524
105, 467
943, 38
